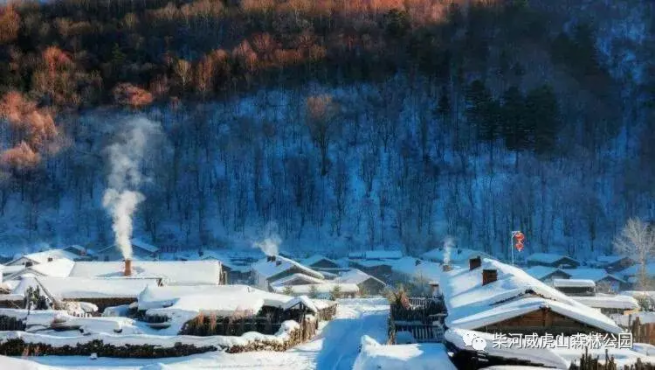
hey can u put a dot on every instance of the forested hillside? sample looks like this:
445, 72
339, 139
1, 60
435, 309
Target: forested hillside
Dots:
341, 124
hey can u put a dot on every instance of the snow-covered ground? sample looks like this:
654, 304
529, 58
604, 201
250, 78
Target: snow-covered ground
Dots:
334, 348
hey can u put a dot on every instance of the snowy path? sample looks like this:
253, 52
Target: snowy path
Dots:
335, 348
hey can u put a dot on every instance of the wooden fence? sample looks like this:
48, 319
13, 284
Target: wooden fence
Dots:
422, 317
642, 333
422, 333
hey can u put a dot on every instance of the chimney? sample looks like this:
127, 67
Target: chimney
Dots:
128, 267
49, 259
489, 276
446, 268
435, 290
278, 263
474, 263
271, 258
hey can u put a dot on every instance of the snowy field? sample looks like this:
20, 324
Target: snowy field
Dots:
334, 348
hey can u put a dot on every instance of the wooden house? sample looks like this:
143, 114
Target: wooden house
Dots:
575, 287
50, 255
499, 298
605, 282
274, 268
321, 263
368, 285
547, 274
551, 260
613, 263
140, 251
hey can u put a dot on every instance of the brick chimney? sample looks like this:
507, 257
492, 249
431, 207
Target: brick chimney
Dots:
128, 267
474, 263
446, 268
489, 276
271, 258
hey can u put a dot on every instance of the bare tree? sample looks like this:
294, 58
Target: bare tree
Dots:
637, 240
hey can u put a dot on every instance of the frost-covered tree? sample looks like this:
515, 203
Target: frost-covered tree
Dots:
637, 241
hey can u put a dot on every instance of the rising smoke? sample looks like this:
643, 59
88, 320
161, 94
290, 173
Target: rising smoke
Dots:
125, 158
270, 240
448, 243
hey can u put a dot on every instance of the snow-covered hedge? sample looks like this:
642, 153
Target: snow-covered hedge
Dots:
17, 343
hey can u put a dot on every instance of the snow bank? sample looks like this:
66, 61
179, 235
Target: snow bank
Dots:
426, 356
538, 356
280, 337
19, 364
609, 301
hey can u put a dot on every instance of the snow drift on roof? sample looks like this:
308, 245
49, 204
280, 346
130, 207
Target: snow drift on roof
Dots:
541, 272
590, 274
621, 302
316, 258
308, 279
548, 257
58, 268
573, 283
271, 268
320, 288
171, 272
355, 276
78, 288
42, 257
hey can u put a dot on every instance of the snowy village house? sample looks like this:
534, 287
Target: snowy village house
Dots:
169, 272
274, 268
551, 260
495, 297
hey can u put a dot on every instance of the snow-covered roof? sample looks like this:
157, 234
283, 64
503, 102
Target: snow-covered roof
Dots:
171, 272
383, 254
269, 269
472, 305
650, 294
650, 268
607, 260
80, 249
541, 272
77, 288
11, 269
454, 255
609, 301
59, 268
573, 283
221, 300
42, 257
136, 242
626, 320
355, 276
305, 300
307, 278
416, 268
548, 257
316, 258
320, 288
590, 274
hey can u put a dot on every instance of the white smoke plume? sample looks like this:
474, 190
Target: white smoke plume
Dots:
125, 157
270, 241
448, 243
